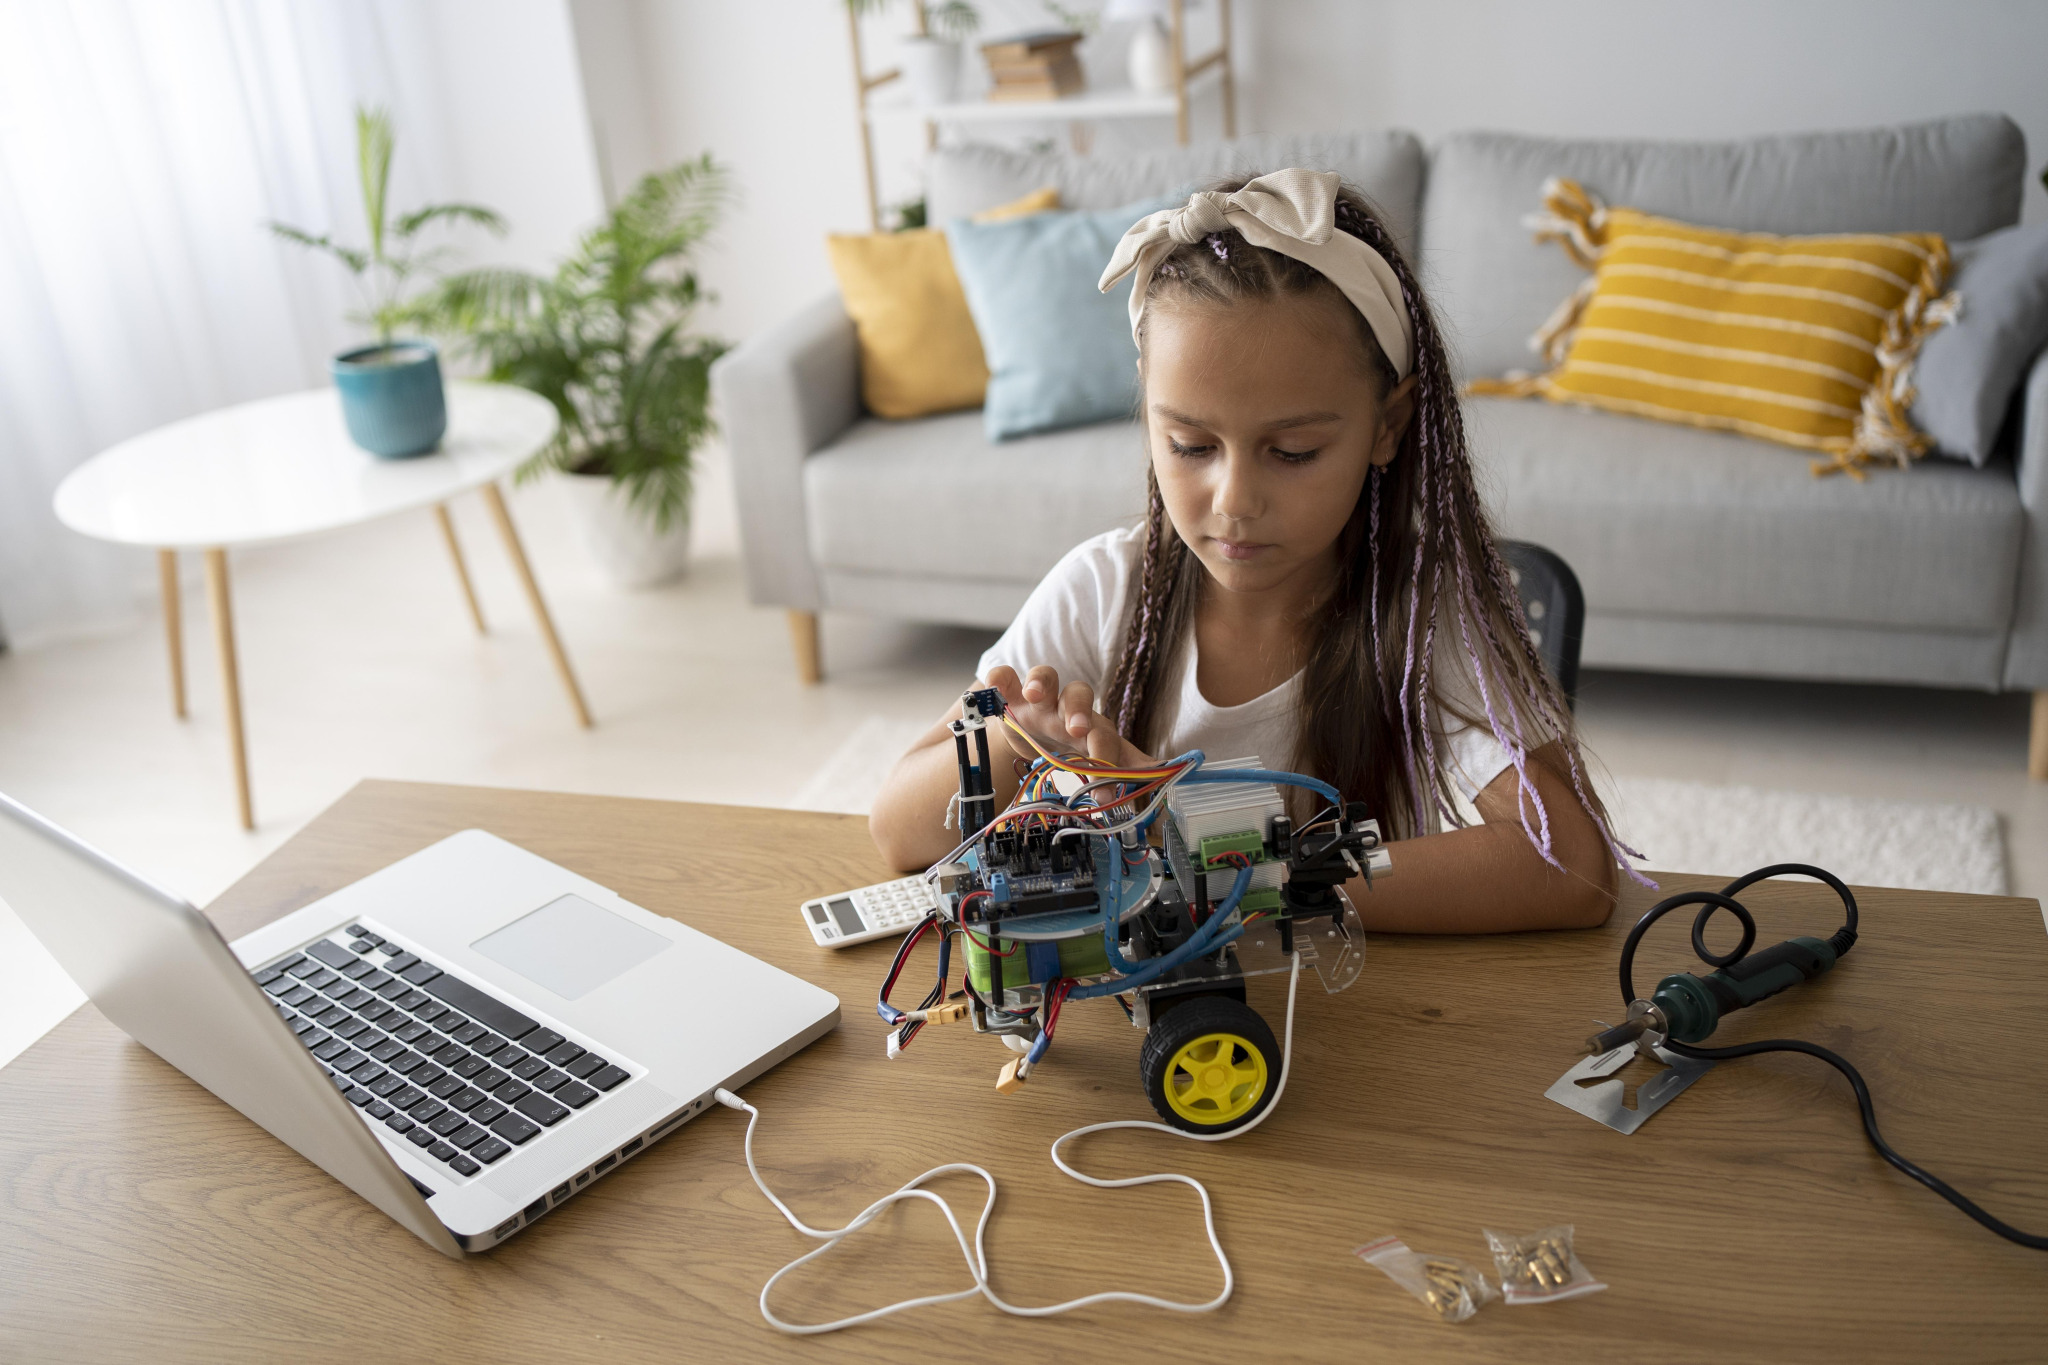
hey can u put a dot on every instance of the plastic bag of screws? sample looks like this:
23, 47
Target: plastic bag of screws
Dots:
1541, 1267
1453, 1289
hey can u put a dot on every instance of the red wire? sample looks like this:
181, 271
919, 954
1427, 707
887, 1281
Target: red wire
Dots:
983, 944
1060, 989
903, 955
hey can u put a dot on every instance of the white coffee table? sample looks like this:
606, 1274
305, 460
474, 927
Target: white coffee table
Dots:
284, 468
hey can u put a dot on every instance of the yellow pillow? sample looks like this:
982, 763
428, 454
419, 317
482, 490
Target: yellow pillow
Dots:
1038, 201
919, 352
1808, 341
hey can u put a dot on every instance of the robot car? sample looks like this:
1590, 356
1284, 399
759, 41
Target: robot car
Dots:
1080, 890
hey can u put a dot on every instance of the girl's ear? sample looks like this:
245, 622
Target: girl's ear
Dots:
1397, 409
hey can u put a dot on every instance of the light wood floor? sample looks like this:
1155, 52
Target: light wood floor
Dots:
359, 659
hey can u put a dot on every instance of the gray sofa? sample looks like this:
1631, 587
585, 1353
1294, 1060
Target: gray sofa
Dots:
1699, 552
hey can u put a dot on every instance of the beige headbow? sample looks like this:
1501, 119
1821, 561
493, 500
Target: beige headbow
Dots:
1293, 212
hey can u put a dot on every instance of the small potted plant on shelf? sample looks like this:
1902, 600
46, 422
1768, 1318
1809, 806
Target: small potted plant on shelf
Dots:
931, 59
604, 340
391, 395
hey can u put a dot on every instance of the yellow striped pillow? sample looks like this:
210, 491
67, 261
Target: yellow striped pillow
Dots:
1809, 341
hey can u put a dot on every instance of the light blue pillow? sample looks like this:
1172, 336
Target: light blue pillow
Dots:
1969, 370
1059, 353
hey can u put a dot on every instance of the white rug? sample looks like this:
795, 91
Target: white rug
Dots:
1923, 846
1679, 826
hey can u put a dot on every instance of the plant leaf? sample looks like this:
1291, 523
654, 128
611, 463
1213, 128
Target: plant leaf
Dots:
374, 142
357, 261
477, 214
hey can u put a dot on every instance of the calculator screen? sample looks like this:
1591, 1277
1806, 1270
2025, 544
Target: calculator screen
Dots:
849, 918
817, 912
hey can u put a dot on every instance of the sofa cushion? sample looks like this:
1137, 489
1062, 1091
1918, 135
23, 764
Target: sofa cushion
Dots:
1671, 521
919, 352
937, 497
1494, 285
1059, 349
1968, 371
1806, 341
1387, 166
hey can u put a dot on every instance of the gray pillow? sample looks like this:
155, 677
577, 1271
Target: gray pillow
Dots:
1968, 370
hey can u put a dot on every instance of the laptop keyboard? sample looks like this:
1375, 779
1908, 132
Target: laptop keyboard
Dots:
460, 1074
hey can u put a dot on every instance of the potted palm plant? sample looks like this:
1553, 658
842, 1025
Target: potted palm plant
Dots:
391, 395
604, 339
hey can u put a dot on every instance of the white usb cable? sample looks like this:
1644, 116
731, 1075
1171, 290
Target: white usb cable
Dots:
976, 1255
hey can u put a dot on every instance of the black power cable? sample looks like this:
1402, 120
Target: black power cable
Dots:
1842, 940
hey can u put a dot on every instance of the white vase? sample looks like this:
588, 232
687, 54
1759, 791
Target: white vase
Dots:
1151, 60
621, 537
931, 70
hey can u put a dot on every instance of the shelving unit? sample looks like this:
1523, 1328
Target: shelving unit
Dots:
1190, 74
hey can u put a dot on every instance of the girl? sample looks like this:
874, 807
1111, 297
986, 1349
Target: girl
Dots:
1315, 582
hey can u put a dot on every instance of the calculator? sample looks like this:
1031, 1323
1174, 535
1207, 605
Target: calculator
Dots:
880, 911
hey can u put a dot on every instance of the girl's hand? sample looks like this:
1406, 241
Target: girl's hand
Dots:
1039, 704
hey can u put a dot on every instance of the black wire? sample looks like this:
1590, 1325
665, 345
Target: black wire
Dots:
910, 1028
1841, 1064
1843, 939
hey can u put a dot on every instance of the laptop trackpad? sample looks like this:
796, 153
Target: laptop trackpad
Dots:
570, 946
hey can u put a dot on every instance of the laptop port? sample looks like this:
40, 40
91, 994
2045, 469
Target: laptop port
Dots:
629, 1149
561, 1192
536, 1209
601, 1167
505, 1229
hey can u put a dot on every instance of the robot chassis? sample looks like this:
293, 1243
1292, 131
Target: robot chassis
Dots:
1080, 889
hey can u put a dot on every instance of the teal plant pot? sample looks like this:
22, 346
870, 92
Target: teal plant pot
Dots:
391, 398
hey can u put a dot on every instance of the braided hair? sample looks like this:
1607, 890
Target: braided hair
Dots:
1416, 558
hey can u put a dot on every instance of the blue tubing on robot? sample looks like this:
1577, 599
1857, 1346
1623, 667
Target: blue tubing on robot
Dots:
1218, 930
1205, 940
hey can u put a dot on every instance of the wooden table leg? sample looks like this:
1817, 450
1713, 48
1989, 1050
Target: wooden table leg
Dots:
803, 638
503, 516
230, 676
174, 626
476, 612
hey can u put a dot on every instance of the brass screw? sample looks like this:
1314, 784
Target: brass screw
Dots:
1447, 1291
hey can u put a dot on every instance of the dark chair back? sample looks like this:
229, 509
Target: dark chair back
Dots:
1554, 606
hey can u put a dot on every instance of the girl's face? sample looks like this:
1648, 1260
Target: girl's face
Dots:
1264, 421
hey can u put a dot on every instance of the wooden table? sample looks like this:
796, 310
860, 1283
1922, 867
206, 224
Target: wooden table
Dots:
144, 1220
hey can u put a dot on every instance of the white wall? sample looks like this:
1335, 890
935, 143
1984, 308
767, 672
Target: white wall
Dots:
767, 86
519, 138
1644, 68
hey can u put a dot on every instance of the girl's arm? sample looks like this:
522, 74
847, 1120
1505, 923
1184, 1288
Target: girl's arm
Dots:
908, 819
1489, 879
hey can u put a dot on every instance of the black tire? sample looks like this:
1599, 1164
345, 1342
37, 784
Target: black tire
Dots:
1188, 1023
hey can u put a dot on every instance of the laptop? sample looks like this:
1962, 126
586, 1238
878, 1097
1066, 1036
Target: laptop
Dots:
467, 1039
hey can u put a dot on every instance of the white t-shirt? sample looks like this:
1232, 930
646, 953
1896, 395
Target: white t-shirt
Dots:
1074, 621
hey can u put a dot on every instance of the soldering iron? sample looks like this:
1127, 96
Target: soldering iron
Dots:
1685, 1008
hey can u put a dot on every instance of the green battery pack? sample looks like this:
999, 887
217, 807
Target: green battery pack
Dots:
1032, 964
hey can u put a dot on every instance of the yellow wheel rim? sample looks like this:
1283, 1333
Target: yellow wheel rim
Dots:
1215, 1079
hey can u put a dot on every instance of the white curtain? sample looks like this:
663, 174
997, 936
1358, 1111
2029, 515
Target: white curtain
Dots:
143, 146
